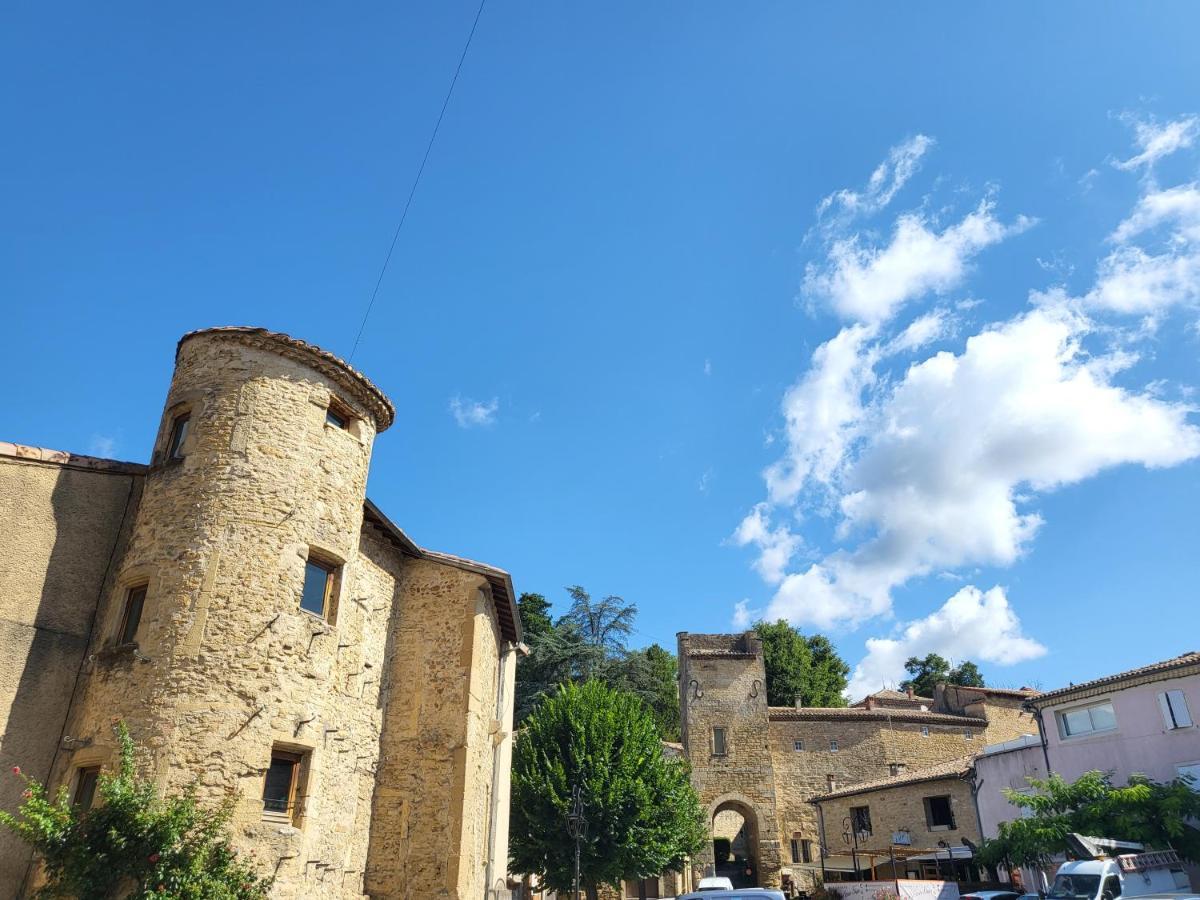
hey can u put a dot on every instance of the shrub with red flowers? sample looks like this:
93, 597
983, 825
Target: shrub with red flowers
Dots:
132, 843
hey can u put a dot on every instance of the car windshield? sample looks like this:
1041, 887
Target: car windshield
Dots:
1073, 887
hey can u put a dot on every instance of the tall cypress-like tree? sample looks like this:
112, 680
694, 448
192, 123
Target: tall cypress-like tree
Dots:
643, 815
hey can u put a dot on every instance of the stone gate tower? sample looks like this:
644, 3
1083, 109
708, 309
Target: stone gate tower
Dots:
723, 699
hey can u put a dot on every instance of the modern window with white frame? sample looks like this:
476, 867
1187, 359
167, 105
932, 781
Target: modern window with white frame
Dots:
1082, 720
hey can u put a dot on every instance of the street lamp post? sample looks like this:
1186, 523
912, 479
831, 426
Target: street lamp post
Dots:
577, 828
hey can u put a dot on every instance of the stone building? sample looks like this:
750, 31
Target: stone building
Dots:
263, 629
769, 764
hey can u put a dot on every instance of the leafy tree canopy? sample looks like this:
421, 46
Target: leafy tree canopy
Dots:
590, 642
799, 666
643, 816
927, 672
1158, 815
133, 844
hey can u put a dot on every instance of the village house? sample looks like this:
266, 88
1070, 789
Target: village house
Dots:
263, 629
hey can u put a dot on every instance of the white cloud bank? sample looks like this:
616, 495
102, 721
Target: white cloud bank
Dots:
938, 467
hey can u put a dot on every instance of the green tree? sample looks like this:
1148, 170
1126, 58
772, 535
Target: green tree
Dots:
535, 615
967, 674
643, 815
1158, 815
808, 668
926, 673
133, 844
606, 624
652, 675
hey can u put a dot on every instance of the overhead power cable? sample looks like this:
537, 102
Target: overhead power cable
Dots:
417, 180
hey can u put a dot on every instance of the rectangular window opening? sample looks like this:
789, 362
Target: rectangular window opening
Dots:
939, 815
1174, 710
806, 851
1087, 719
337, 416
896, 768
85, 788
720, 746
860, 818
283, 787
795, 850
833, 746
131, 615
798, 746
179, 433
320, 587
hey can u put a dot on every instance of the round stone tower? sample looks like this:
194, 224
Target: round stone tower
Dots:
231, 638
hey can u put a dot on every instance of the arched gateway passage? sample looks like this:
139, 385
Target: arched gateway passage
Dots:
735, 842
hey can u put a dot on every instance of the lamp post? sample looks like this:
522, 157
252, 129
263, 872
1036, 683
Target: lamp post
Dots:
850, 833
577, 828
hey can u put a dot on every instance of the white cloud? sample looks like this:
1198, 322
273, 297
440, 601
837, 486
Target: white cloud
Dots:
1134, 280
889, 177
102, 445
776, 546
743, 615
708, 367
870, 283
922, 331
975, 624
706, 480
822, 412
473, 413
1156, 141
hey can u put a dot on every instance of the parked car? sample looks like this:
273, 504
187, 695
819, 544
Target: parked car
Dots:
734, 894
1134, 875
715, 883
992, 895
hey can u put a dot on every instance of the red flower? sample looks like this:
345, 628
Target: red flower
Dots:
16, 770
153, 857
26, 794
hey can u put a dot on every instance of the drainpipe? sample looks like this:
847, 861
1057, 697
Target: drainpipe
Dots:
821, 819
1037, 710
501, 760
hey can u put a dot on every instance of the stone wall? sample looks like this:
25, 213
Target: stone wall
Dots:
61, 523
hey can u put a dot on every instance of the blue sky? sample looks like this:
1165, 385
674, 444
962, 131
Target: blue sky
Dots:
607, 298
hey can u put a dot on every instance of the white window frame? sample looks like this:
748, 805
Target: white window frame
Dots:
798, 746
833, 746
1174, 708
1061, 718
924, 731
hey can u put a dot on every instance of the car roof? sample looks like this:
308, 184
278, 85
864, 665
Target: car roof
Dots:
769, 893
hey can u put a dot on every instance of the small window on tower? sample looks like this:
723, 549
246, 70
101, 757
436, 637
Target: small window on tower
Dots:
720, 746
798, 746
179, 432
924, 731
833, 746
319, 595
338, 415
283, 786
86, 779
131, 615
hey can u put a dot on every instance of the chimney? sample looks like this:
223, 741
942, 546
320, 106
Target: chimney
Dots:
799, 701
909, 690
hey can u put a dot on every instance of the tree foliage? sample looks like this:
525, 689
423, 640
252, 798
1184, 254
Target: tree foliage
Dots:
799, 666
1158, 815
643, 814
926, 673
132, 844
590, 642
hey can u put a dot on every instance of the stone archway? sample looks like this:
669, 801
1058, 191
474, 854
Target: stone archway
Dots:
736, 849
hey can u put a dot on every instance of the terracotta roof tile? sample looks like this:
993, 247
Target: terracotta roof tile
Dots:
954, 768
857, 713
1153, 672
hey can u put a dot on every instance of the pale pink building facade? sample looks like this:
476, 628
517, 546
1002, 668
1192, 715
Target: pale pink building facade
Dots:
1144, 720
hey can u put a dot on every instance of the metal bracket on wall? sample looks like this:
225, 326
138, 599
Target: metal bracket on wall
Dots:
754, 686
696, 692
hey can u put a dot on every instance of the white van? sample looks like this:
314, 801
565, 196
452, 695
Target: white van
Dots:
1131, 875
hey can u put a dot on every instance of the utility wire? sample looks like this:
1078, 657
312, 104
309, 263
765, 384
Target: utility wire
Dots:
416, 181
